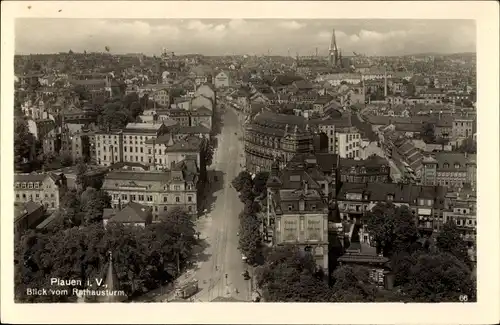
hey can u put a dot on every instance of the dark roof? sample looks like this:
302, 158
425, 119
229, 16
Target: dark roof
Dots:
132, 212
267, 117
188, 145
371, 161
150, 176
47, 221
202, 111
34, 177
405, 193
26, 208
192, 129
362, 258
452, 158
120, 165
326, 161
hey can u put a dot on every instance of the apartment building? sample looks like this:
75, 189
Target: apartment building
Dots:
297, 211
46, 189
426, 203
343, 138
463, 128
461, 207
108, 147
450, 169
128, 144
159, 190
163, 151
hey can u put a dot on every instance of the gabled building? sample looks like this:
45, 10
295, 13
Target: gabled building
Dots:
46, 189
222, 79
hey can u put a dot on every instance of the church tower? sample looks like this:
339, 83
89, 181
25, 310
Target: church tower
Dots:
333, 51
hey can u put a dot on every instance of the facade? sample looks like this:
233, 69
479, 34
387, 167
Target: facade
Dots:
127, 144
297, 210
373, 169
461, 207
348, 142
46, 189
163, 151
159, 190
462, 128
275, 136
222, 80
450, 169
161, 97
355, 200
152, 145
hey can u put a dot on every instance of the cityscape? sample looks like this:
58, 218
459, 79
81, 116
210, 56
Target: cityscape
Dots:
336, 164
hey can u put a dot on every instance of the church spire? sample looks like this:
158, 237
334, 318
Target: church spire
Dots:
111, 283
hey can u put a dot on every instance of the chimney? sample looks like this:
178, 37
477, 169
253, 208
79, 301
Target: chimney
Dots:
305, 186
385, 80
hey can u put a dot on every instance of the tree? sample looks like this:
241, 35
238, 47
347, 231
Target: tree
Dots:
81, 170
93, 202
71, 253
66, 159
438, 278
353, 284
143, 258
250, 239
18, 112
450, 241
112, 117
81, 92
290, 275
24, 142
69, 213
468, 146
393, 228
242, 180
259, 182
428, 132
286, 110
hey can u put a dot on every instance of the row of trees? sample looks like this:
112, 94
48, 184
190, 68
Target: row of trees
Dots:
250, 239
432, 270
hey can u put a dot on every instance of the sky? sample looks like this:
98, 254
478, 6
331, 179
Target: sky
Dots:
238, 36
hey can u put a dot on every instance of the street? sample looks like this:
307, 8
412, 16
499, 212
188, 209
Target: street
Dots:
223, 223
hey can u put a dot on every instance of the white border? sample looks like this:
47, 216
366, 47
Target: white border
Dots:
483, 312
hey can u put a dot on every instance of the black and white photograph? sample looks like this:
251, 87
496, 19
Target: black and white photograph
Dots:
245, 160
